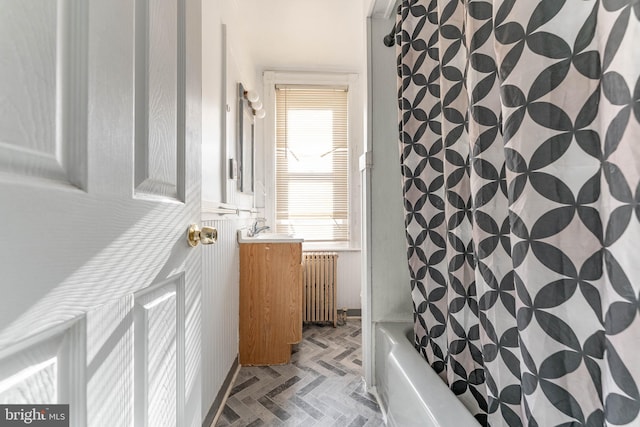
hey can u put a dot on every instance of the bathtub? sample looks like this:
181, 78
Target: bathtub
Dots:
409, 391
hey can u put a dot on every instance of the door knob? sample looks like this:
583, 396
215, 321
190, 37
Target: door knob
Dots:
206, 235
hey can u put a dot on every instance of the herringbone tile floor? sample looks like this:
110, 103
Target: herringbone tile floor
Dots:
322, 386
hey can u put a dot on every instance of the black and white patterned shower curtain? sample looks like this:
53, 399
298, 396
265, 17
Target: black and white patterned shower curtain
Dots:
520, 151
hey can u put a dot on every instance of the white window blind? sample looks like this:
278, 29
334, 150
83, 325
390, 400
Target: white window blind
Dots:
312, 194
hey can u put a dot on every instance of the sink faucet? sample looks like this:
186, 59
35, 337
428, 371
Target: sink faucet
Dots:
255, 230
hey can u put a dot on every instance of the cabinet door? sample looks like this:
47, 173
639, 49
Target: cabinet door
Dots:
283, 283
270, 301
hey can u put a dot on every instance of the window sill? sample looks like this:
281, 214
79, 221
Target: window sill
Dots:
328, 246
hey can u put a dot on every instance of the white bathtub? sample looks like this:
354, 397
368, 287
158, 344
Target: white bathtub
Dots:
409, 391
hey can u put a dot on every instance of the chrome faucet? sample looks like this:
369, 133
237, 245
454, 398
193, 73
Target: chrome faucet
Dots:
255, 230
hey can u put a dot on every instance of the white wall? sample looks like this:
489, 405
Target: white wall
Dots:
224, 64
386, 289
390, 283
349, 280
213, 150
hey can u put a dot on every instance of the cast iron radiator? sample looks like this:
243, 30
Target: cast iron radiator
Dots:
320, 281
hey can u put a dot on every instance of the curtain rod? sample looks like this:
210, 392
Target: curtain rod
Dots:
390, 39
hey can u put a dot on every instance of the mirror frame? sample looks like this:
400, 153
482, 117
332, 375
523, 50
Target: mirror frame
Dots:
245, 147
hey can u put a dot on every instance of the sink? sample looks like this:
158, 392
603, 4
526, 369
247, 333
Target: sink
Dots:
268, 238
274, 236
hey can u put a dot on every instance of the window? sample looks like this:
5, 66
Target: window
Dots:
312, 196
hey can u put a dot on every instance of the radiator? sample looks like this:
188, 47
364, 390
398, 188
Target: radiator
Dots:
320, 280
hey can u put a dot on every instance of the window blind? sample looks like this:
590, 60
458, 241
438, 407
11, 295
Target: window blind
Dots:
312, 194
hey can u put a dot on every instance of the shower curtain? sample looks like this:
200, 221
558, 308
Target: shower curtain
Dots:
520, 157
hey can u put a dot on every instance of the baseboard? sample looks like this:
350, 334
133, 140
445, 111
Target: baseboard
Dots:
354, 312
220, 400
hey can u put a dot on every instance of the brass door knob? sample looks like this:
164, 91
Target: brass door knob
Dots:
206, 235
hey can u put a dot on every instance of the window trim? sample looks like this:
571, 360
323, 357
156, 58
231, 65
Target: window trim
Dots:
355, 137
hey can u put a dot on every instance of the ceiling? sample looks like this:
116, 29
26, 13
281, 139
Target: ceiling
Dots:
311, 35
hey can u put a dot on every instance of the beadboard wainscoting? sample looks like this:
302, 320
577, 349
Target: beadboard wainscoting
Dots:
220, 299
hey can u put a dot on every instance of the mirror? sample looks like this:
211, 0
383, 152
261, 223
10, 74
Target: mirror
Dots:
245, 146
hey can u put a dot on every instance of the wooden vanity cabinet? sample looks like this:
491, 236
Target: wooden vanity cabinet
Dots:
270, 302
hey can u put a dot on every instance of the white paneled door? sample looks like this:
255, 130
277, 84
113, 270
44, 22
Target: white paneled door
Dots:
99, 180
